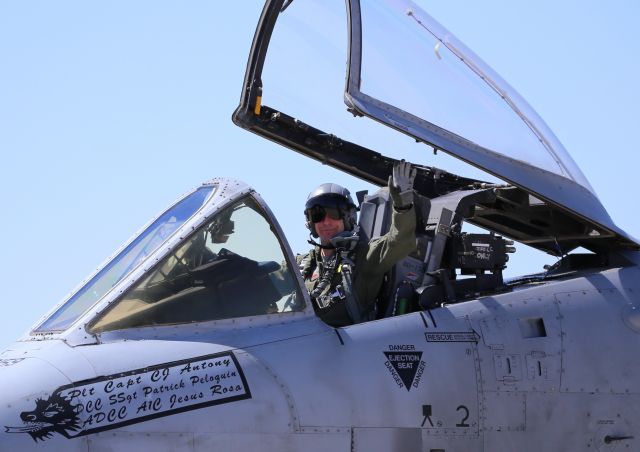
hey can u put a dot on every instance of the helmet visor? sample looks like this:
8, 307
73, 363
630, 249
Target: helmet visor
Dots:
317, 213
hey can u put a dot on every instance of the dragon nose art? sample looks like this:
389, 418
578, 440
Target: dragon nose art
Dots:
30, 409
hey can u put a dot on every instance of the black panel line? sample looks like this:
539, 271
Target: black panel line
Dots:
435, 325
426, 325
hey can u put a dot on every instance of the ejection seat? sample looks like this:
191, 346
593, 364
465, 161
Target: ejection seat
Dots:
398, 292
428, 277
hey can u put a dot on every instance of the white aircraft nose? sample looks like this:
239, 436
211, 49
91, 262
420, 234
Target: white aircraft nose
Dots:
32, 415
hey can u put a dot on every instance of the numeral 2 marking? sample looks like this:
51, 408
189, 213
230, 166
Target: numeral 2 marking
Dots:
463, 422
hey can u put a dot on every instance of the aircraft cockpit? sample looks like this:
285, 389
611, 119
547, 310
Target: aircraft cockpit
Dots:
214, 256
229, 268
419, 80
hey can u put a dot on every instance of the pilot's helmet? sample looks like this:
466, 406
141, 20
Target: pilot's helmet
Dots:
333, 200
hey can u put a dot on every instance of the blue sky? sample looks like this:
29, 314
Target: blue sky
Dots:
109, 111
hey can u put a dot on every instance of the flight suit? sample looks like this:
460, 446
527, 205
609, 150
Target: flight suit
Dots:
369, 263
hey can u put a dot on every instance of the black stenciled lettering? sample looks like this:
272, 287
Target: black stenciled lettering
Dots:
113, 415
408, 347
203, 365
162, 389
92, 406
150, 405
220, 390
84, 392
88, 406
117, 414
197, 380
207, 378
160, 374
122, 397
94, 418
463, 422
112, 385
133, 381
182, 399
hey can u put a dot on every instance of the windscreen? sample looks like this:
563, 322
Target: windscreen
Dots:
233, 266
121, 265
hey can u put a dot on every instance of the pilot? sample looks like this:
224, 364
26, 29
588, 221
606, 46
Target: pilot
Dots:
342, 273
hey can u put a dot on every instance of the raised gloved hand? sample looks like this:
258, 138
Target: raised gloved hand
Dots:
401, 185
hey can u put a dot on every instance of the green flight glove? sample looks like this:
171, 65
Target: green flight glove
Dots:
401, 185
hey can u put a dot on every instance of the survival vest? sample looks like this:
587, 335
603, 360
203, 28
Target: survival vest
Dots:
330, 283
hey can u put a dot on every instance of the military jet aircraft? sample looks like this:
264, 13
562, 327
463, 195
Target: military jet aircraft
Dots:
198, 335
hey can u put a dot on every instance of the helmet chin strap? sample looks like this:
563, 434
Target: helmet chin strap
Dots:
345, 240
324, 247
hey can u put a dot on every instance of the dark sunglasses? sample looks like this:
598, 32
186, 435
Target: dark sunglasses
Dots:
316, 214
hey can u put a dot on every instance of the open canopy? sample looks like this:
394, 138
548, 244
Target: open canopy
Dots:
406, 71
